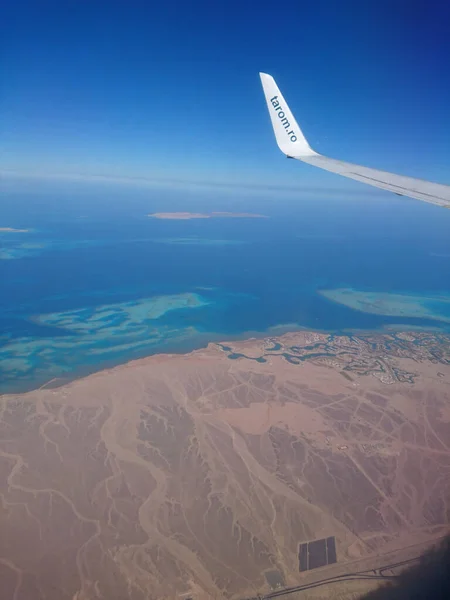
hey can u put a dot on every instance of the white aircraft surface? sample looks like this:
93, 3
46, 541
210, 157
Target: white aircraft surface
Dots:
292, 142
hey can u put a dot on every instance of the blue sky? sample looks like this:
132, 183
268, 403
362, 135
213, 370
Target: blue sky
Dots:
171, 89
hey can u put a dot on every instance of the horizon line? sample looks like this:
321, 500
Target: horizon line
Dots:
141, 181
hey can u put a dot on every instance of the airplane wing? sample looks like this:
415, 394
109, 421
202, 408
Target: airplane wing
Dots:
292, 142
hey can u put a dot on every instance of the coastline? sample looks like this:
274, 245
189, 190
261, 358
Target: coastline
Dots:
215, 342
178, 446
211, 339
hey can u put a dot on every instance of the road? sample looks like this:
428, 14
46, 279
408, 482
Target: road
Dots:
369, 574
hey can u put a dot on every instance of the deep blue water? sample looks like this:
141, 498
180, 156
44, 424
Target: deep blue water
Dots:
93, 245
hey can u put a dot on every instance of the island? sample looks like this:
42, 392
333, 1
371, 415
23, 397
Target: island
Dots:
13, 230
182, 216
229, 472
434, 307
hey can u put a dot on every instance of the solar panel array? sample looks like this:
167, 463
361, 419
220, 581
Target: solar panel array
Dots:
317, 553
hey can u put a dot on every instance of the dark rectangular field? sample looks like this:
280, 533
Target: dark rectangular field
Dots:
317, 553
331, 550
303, 557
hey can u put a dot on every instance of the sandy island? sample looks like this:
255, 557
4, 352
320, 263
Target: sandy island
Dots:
213, 215
12, 230
199, 475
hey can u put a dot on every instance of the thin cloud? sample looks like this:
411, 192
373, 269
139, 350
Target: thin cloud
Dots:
188, 184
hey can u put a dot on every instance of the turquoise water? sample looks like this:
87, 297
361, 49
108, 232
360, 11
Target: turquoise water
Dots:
94, 282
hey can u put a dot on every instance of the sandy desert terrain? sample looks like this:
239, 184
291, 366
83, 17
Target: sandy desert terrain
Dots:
199, 475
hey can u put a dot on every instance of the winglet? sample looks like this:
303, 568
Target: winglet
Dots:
288, 134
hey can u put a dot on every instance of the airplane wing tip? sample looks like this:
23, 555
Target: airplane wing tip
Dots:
292, 142
288, 134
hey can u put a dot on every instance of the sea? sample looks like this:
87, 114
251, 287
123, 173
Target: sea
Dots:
94, 281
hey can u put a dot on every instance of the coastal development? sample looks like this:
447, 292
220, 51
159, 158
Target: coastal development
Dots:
229, 471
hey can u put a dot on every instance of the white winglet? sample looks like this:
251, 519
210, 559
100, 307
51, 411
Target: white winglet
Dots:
288, 134
292, 142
